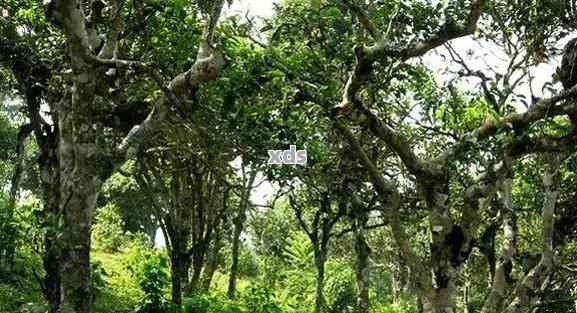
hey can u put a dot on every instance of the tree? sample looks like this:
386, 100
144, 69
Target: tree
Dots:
190, 193
248, 180
74, 157
469, 164
451, 243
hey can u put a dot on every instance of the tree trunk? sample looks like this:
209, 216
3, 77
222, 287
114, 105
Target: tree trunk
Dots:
361, 267
238, 228
81, 192
209, 271
52, 286
419, 305
320, 259
400, 280
180, 265
82, 168
500, 281
76, 276
198, 257
529, 289
52, 283
450, 247
212, 264
466, 297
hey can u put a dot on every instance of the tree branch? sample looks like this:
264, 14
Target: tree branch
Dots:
69, 15
298, 213
516, 121
207, 67
534, 282
366, 56
364, 19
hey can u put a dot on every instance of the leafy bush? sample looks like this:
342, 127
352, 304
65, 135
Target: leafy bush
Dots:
341, 292
98, 277
260, 300
211, 303
127, 275
19, 233
247, 263
154, 279
197, 304
14, 298
149, 267
107, 232
122, 292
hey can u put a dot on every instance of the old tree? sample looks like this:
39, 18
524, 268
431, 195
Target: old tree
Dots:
440, 138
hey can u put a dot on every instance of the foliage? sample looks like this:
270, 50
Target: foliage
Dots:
341, 291
284, 75
108, 233
149, 269
98, 276
19, 232
131, 203
136, 276
211, 303
260, 300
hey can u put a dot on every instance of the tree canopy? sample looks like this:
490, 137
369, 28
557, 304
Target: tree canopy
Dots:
440, 141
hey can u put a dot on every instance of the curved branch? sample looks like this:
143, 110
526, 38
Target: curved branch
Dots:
381, 50
516, 121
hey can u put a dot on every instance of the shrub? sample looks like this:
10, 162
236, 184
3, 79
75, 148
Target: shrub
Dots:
211, 303
260, 300
98, 278
131, 277
340, 287
108, 234
149, 267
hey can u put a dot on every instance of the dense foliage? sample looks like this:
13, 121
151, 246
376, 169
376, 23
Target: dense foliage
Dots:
440, 140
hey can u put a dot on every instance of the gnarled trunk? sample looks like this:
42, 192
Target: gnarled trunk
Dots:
198, 257
52, 286
80, 185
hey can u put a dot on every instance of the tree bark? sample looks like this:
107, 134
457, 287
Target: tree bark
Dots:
212, 263
52, 287
362, 266
198, 258
399, 280
52, 284
180, 264
238, 228
238, 225
320, 260
466, 298
528, 290
500, 283
447, 241
81, 180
